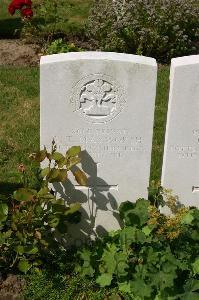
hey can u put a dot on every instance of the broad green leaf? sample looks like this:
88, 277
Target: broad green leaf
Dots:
114, 297
73, 161
43, 191
45, 172
53, 220
39, 156
125, 207
188, 218
146, 230
24, 266
127, 236
195, 266
195, 235
3, 209
57, 175
80, 177
44, 243
52, 175
73, 151
140, 288
191, 290
72, 208
31, 249
104, 279
3, 212
140, 236
24, 194
20, 249
57, 156
108, 260
61, 163
87, 268
135, 214
121, 264
125, 287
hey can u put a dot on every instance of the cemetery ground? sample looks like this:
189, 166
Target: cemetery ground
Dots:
19, 136
19, 93
25, 51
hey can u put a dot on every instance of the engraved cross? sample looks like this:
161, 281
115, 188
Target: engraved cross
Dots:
98, 187
195, 189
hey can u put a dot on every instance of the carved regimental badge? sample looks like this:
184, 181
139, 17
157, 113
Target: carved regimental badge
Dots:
98, 98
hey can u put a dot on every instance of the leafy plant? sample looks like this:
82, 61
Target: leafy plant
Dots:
32, 222
154, 256
59, 46
157, 28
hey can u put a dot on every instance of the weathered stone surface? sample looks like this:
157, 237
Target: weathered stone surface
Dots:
103, 102
181, 154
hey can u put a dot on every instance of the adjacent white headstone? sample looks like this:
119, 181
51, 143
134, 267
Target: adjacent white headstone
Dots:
181, 154
103, 102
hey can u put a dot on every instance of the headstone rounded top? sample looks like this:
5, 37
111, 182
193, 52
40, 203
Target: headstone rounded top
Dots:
185, 60
95, 55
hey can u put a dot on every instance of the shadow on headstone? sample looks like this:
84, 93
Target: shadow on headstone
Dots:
96, 197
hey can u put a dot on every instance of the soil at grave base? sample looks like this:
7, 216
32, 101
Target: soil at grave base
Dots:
17, 53
11, 288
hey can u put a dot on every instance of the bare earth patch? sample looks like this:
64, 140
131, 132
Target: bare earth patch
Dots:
11, 288
15, 52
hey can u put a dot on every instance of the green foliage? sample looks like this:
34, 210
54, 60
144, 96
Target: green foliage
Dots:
59, 46
54, 19
153, 256
32, 221
158, 28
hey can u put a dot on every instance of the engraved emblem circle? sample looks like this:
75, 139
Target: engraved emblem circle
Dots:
98, 98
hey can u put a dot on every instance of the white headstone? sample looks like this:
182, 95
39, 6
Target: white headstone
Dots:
103, 102
181, 154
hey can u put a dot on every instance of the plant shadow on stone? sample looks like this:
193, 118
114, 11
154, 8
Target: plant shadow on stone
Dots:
97, 198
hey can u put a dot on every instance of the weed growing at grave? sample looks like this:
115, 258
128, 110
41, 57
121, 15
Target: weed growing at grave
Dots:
158, 28
33, 221
153, 256
59, 46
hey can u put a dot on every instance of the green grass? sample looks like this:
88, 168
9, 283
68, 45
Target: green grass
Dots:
57, 286
19, 121
160, 122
